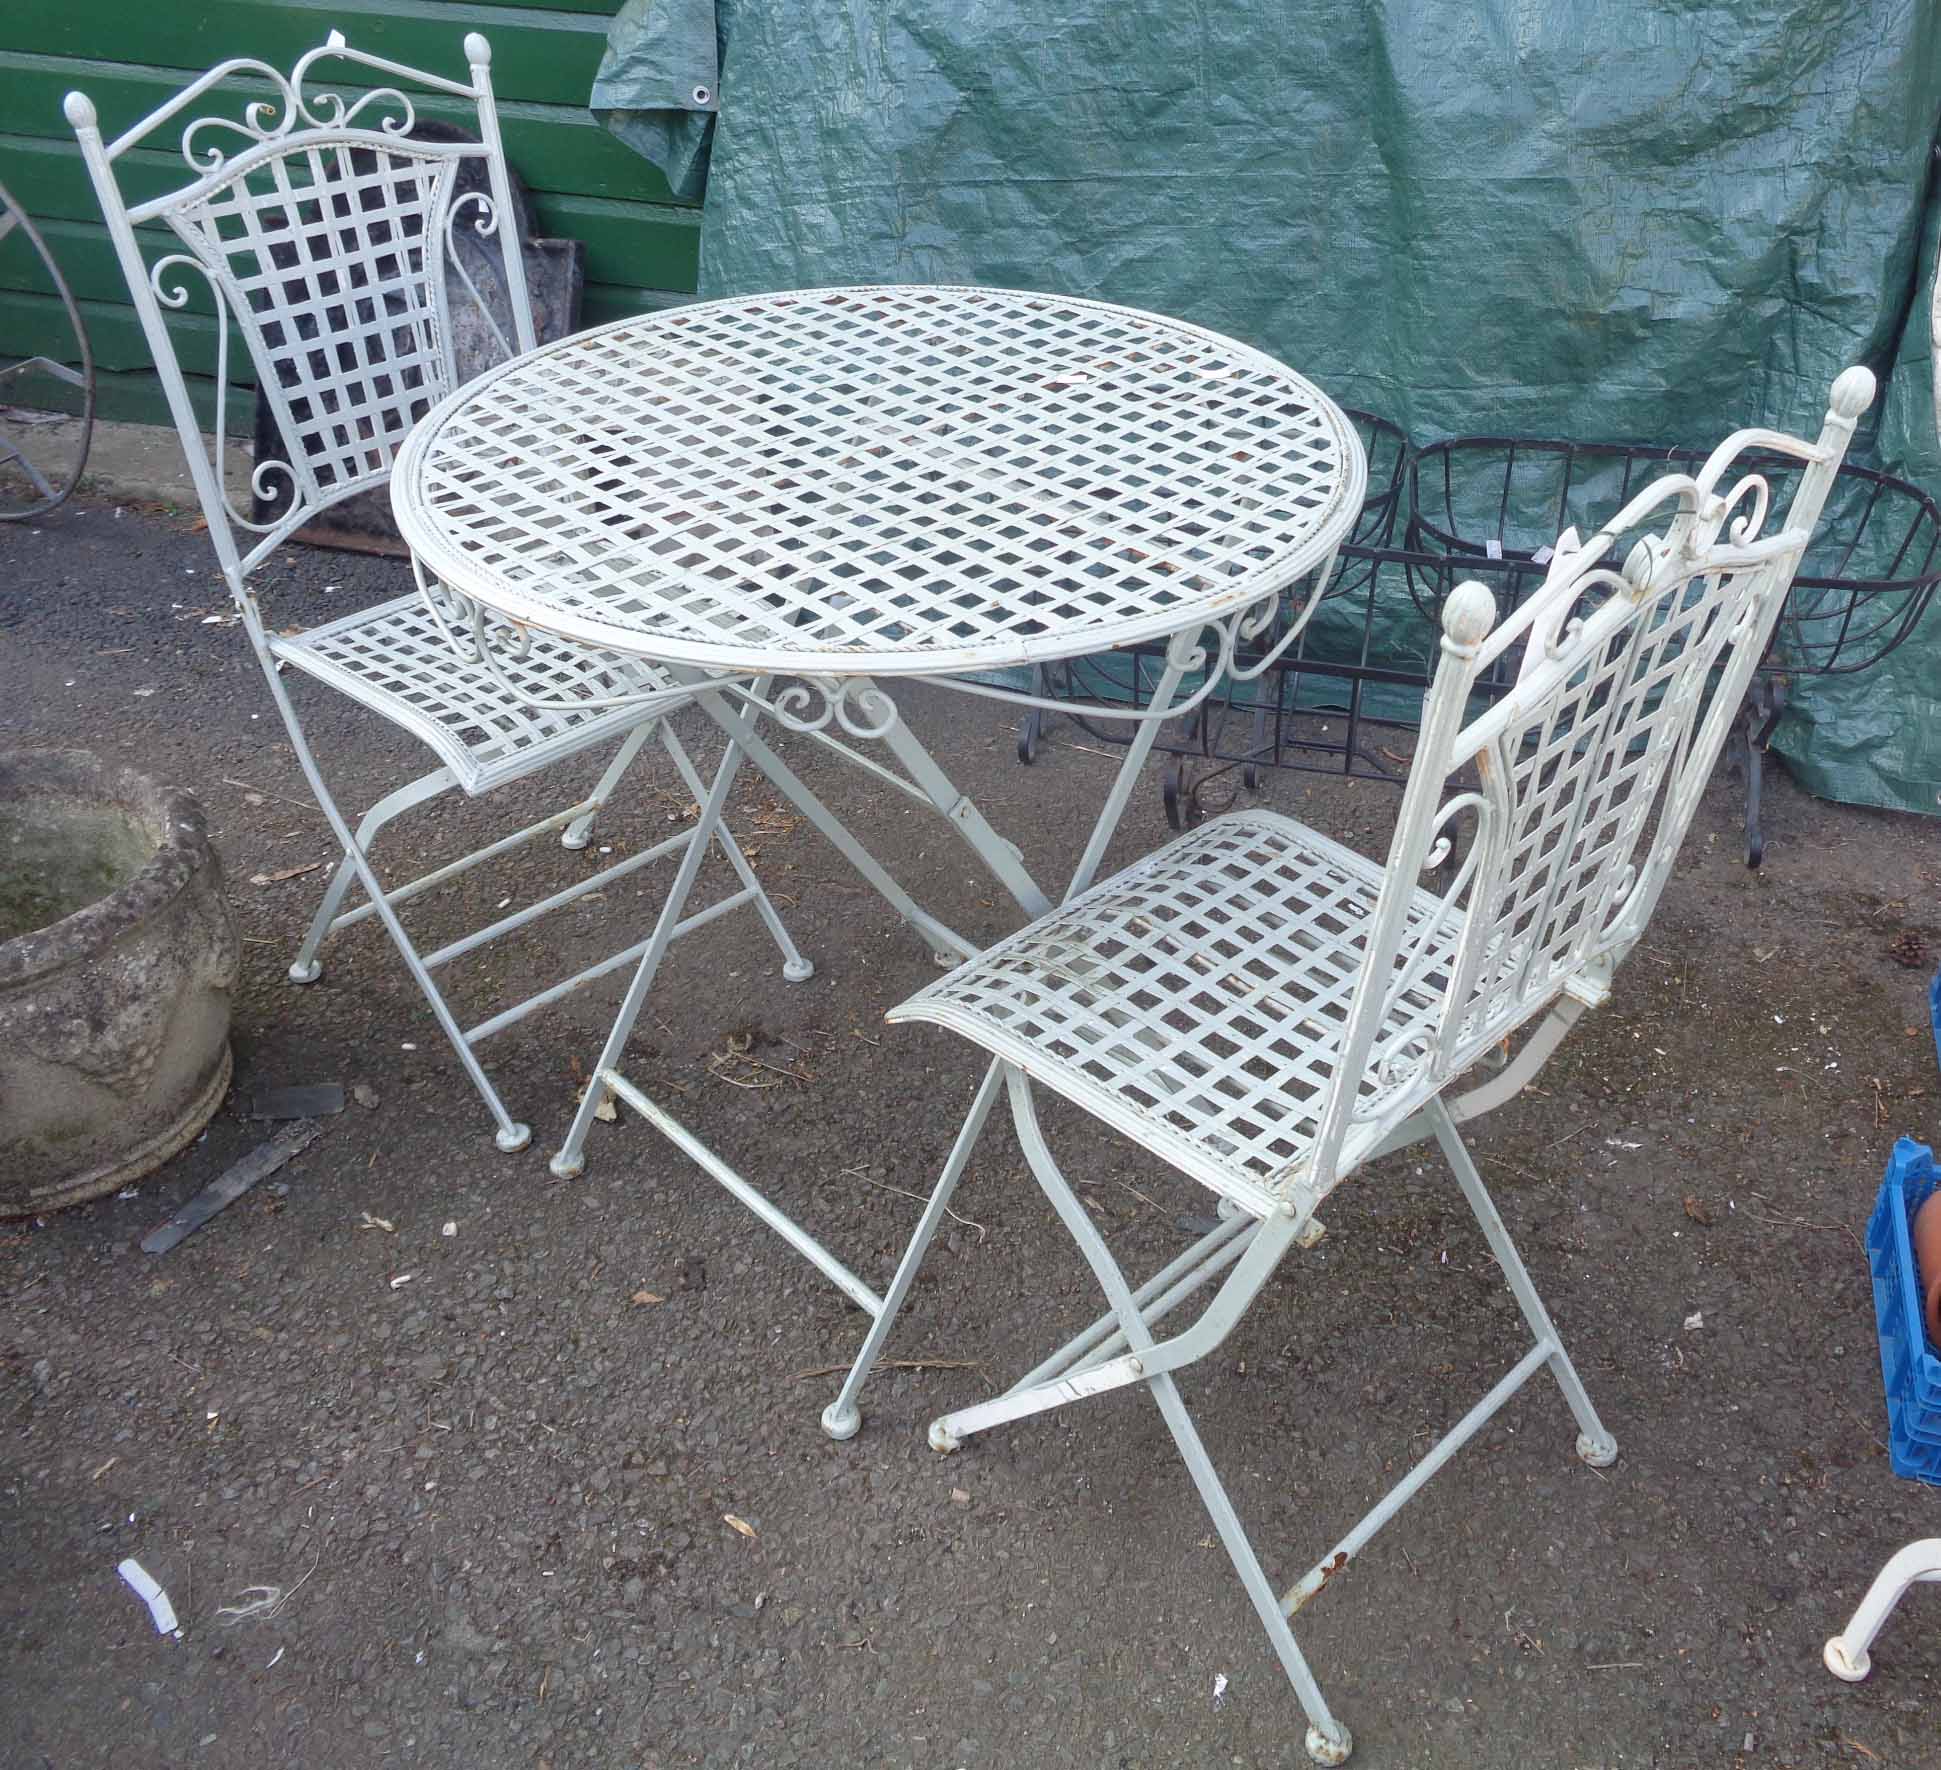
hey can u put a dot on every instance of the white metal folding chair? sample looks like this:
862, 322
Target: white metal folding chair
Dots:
1268, 1010
1848, 1654
326, 232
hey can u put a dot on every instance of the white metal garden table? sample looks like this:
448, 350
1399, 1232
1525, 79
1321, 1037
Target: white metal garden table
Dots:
782, 498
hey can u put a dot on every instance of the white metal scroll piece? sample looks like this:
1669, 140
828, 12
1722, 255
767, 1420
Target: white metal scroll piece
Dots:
142, 1583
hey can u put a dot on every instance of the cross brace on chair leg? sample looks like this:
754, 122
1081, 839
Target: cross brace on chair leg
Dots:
577, 817
1328, 1741
573, 818
1242, 1253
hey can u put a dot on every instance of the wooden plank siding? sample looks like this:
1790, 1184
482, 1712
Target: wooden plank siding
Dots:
641, 246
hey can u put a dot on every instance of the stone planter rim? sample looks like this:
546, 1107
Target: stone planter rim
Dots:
95, 927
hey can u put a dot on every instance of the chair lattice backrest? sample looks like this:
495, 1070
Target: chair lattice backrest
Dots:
1569, 797
325, 224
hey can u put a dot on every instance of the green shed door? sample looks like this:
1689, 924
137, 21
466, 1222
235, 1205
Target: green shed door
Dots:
131, 55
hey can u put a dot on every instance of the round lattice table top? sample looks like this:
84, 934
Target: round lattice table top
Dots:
890, 481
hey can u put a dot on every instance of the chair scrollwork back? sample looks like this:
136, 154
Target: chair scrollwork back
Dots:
323, 229
1569, 797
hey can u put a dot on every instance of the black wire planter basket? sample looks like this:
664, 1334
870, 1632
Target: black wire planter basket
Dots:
1272, 721
1345, 698
1495, 504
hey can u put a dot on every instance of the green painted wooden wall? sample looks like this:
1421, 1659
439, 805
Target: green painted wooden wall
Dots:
130, 55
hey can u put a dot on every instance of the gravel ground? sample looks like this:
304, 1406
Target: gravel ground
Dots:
495, 1498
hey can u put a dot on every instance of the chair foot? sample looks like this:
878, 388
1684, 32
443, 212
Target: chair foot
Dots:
576, 837
942, 1438
306, 973
567, 1167
798, 970
513, 1137
1324, 1749
841, 1424
1842, 1665
1598, 1453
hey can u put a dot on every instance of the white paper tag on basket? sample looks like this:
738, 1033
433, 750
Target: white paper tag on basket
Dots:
1543, 556
1493, 547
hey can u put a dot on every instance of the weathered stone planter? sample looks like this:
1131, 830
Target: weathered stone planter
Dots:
117, 958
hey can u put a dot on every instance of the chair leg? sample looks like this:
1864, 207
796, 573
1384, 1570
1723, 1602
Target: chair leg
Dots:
1328, 1741
841, 1418
795, 968
306, 967
511, 1134
1847, 1654
1595, 1445
579, 832
569, 1161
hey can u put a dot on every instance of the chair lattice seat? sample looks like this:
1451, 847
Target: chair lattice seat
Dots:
1197, 1000
397, 659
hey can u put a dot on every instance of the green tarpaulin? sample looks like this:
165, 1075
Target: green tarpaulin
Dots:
1635, 220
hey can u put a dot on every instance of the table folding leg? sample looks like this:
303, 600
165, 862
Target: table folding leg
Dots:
924, 780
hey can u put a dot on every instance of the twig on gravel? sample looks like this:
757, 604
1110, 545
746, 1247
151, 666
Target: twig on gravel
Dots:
737, 1082
266, 1601
737, 1051
270, 793
896, 1364
1862, 1424
794, 1075
1618, 1665
1845, 1229
905, 1192
1136, 1193
1522, 1637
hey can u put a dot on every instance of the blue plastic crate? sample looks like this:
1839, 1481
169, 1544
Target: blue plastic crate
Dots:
1910, 1367
1934, 1013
